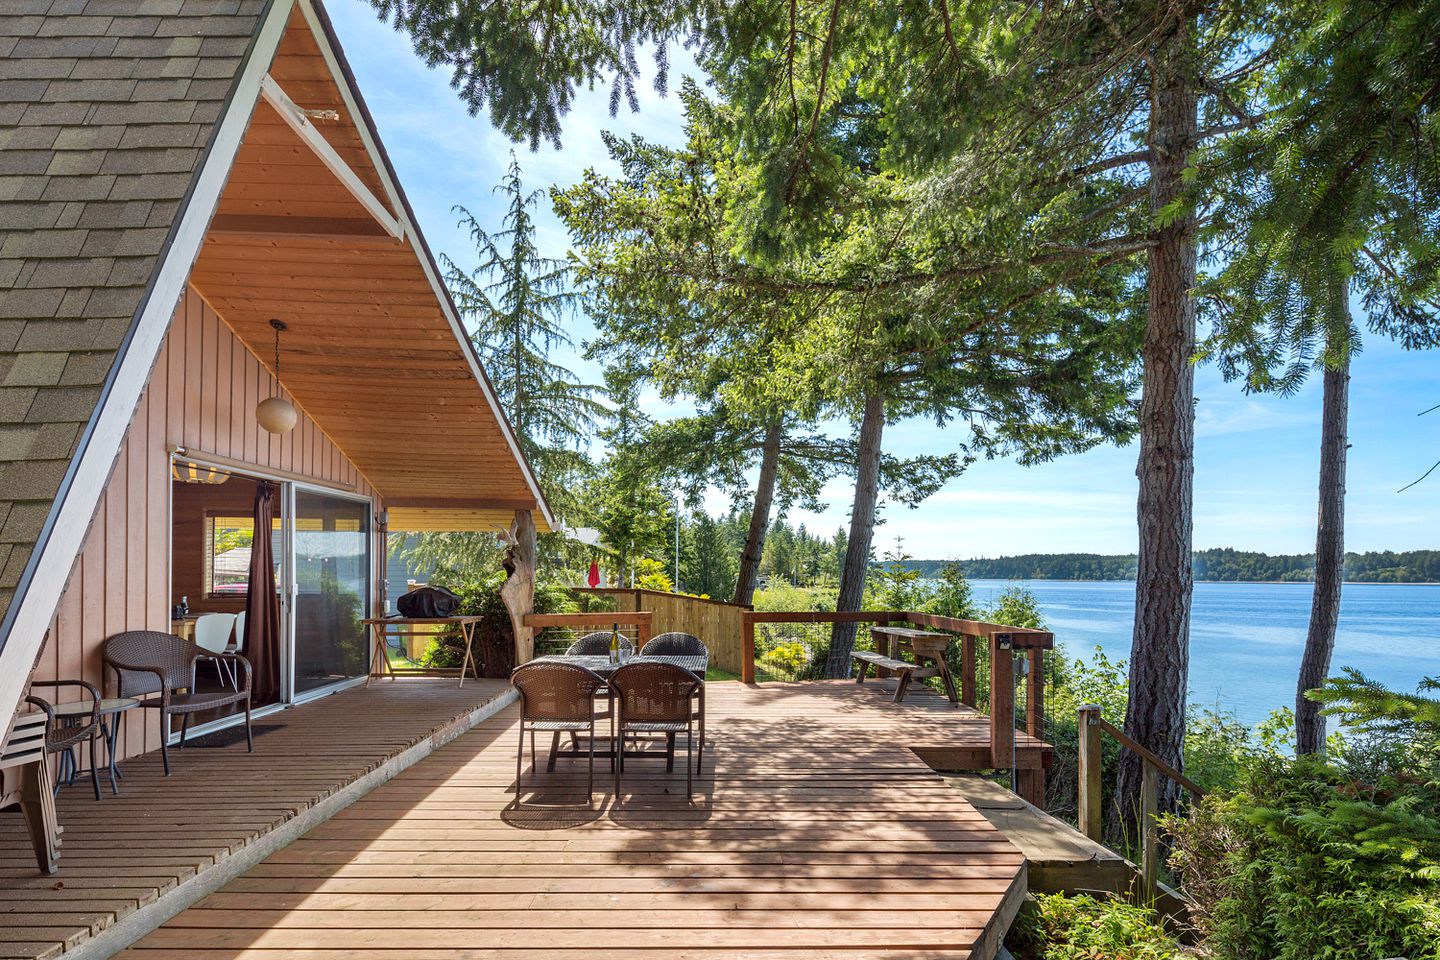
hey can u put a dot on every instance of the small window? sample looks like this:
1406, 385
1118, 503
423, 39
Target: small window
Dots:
227, 555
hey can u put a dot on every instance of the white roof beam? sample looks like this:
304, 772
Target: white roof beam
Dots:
298, 121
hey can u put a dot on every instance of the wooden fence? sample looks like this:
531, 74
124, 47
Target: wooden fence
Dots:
716, 622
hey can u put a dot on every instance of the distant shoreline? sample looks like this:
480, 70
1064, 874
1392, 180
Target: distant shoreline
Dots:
1211, 565
1278, 583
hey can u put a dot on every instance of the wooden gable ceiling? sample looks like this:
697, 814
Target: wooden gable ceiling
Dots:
370, 353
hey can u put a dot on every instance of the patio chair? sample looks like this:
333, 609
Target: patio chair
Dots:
656, 698
597, 645
64, 737
558, 698
147, 662
677, 644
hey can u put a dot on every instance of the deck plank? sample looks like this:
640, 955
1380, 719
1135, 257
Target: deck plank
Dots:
122, 853
814, 831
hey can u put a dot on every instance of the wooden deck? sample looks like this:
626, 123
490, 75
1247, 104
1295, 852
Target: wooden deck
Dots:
126, 851
814, 832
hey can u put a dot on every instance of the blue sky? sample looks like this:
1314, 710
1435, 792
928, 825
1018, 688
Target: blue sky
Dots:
1255, 456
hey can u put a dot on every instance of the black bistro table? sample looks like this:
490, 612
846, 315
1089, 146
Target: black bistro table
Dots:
603, 666
112, 712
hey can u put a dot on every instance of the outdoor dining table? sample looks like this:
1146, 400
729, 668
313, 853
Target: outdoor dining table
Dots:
603, 666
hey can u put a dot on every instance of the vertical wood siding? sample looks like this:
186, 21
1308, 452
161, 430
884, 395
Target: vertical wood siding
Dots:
201, 395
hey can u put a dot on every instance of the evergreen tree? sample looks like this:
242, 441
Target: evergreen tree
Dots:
634, 516
516, 301
707, 565
1335, 194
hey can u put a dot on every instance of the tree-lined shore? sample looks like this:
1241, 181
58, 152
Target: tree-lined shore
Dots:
1218, 565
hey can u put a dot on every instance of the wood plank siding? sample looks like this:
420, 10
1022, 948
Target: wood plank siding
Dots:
201, 395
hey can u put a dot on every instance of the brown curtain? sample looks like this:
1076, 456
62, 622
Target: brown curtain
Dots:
262, 611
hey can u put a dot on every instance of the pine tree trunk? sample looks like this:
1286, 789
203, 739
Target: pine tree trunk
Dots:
759, 514
1160, 646
1329, 558
862, 529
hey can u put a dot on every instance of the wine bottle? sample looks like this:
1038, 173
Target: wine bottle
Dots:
614, 643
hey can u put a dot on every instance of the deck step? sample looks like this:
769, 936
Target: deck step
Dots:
1061, 859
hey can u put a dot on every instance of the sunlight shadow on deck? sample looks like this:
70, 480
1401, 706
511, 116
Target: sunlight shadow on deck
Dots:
812, 828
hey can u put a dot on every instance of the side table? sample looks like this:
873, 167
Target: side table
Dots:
112, 713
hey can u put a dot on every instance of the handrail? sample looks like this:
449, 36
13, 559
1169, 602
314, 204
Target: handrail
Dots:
1090, 786
1001, 641
601, 620
1150, 757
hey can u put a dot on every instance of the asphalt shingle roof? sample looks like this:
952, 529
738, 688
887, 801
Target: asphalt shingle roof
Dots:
106, 107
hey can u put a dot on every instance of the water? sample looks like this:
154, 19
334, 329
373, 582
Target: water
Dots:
1246, 638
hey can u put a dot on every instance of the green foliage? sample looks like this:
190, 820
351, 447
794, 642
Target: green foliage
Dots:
1335, 193
515, 300
524, 63
652, 575
783, 597
895, 585
1217, 564
494, 647
1084, 928
708, 558
1384, 730
1324, 860
787, 660
232, 538
449, 557
1017, 606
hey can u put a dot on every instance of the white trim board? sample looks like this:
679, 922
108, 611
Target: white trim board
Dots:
72, 515
296, 119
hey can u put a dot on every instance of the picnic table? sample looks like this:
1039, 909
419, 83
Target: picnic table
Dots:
401, 627
892, 642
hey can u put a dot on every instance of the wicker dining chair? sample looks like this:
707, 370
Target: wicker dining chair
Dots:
556, 698
147, 662
655, 698
677, 644
63, 737
597, 645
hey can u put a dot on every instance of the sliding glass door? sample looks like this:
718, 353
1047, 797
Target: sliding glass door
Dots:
332, 579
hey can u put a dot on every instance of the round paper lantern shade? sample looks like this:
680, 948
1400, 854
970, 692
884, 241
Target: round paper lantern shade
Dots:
276, 415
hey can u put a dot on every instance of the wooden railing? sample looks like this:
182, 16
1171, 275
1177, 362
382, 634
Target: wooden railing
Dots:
714, 621
1091, 787
1000, 641
580, 623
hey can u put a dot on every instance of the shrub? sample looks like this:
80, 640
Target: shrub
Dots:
650, 575
1324, 860
494, 646
1084, 928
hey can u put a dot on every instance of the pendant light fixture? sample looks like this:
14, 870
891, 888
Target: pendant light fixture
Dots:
276, 414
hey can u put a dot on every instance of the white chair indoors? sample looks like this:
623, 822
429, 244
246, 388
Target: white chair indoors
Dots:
237, 639
212, 634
